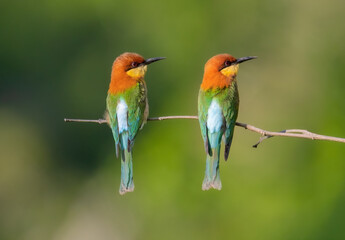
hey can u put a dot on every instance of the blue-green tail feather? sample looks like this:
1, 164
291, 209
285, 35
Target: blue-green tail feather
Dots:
212, 176
127, 184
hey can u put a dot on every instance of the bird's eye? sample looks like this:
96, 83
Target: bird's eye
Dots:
227, 63
135, 64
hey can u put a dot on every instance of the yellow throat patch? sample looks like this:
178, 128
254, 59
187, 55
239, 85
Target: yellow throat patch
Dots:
137, 72
230, 71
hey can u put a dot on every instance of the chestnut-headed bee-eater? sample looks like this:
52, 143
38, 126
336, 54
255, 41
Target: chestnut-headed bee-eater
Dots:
218, 104
127, 109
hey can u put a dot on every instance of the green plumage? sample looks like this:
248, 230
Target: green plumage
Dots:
228, 100
126, 127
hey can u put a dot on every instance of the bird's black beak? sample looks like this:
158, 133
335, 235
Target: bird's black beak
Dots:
243, 59
152, 60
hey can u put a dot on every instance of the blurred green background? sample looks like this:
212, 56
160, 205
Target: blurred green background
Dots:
60, 180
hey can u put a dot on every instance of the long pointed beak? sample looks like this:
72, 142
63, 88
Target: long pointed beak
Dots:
243, 59
152, 60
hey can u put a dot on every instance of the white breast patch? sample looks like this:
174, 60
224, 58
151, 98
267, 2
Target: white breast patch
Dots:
121, 112
214, 117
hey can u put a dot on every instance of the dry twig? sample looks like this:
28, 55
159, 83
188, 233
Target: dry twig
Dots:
297, 133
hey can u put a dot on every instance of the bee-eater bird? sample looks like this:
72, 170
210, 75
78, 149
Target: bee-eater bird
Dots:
218, 104
127, 109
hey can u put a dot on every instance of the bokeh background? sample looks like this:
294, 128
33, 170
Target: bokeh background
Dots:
60, 180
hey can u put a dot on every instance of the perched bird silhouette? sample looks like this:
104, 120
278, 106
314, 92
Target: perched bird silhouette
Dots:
127, 109
218, 104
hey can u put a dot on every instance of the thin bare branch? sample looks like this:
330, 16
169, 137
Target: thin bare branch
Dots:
100, 121
171, 117
296, 133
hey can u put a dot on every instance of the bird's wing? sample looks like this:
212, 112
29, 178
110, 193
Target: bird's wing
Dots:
112, 101
136, 99
230, 103
203, 105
